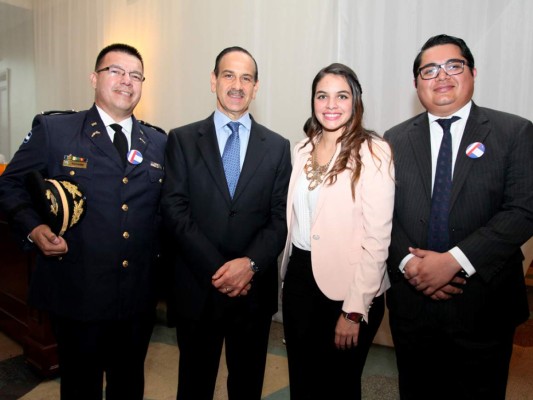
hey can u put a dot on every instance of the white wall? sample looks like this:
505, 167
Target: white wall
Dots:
16, 54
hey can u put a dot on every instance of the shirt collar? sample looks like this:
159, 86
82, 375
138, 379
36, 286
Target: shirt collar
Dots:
463, 113
221, 119
126, 124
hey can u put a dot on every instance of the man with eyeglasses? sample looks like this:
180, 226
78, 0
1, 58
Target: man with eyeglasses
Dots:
463, 208
97, 281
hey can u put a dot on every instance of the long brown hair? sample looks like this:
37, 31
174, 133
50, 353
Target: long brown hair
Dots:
354, 134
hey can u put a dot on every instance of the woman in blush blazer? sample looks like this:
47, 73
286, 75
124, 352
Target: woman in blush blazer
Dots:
339, 215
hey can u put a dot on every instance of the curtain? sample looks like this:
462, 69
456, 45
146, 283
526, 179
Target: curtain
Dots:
291, 40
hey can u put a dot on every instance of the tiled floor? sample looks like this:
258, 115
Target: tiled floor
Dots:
18, 382
379, 381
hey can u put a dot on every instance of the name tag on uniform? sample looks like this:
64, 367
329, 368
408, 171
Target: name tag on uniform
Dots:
74, 162
155, 165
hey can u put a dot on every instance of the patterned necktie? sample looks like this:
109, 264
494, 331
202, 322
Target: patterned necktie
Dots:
438, 234
120, 142
231, 158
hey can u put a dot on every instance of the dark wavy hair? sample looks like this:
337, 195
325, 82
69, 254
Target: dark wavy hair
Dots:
354, 134
121, 48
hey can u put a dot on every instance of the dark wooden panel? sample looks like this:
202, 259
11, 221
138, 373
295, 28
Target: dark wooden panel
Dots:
29, 327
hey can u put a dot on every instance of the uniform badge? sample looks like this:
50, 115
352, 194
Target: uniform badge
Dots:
74, 161
153, 164
27, 138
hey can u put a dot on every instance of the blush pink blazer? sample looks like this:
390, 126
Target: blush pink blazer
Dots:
349, 238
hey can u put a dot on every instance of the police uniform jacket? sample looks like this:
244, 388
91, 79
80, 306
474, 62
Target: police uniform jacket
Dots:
108, 271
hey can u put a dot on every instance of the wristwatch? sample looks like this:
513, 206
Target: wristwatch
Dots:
253, 266
353, 317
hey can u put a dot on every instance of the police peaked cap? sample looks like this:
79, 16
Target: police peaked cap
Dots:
60, 202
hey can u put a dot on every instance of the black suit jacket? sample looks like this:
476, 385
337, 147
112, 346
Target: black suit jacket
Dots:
491, 215
208, 228
92, 281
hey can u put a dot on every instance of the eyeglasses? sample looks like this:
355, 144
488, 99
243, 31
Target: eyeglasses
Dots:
117, 71
451, 67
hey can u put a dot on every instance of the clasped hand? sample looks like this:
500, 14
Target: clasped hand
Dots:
434, 274
234, 277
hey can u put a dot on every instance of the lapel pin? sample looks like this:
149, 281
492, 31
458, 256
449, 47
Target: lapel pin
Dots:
475, 150
135, 157
94, 123
95, 133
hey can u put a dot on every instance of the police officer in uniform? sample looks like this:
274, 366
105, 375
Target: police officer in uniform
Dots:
97, 281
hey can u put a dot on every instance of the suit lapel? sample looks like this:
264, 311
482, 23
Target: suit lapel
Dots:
255, 153
476, 130
139, 141
419, 139
208, 147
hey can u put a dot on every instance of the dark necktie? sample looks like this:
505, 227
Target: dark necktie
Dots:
120, 142
231, 158
438, 234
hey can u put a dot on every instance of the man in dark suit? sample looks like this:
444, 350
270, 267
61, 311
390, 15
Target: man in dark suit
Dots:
227, 223
96, 281
455, 262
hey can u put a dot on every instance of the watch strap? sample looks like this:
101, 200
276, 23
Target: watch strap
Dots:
353, 317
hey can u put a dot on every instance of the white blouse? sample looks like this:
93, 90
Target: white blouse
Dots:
304, 205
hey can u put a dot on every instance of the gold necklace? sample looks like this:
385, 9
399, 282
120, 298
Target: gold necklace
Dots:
315, 173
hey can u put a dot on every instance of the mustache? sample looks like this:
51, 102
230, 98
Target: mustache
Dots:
236, 92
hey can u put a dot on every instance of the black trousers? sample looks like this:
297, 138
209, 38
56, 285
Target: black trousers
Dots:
200, 343
317, 369
438, 358
87, 350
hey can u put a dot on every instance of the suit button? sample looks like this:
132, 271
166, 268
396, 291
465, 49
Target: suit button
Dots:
232, 213
72, 173
125, 264
125, 180
160, 180
124, 207
126, 235
316, 237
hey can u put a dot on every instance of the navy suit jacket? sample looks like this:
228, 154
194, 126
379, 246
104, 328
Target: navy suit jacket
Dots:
106, 274
491, 215
208, 227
